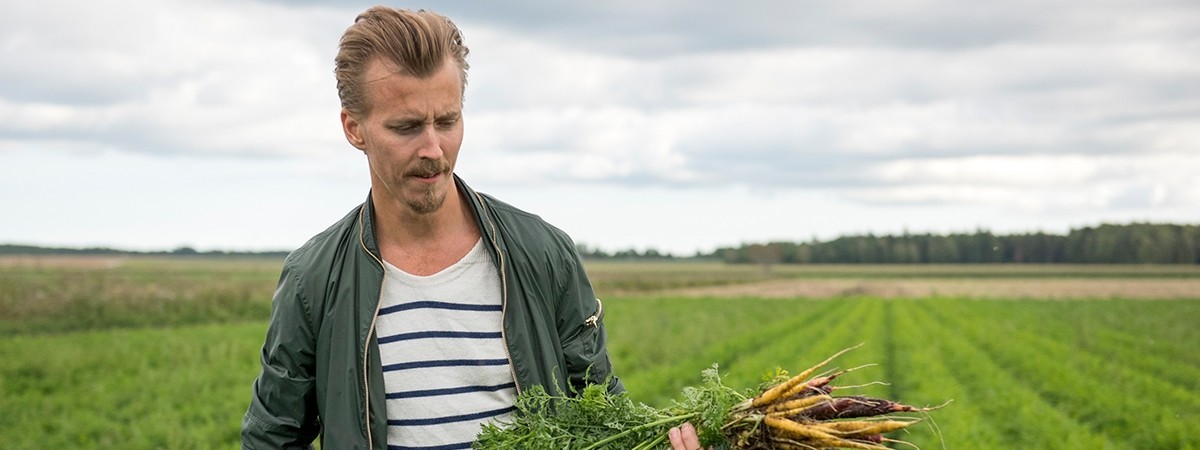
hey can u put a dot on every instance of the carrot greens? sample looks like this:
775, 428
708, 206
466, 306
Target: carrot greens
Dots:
798, 412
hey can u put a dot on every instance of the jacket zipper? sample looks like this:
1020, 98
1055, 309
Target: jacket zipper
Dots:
512, 368
370, 333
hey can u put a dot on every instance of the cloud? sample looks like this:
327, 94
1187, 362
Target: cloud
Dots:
1038, 183
805, 117
652, 30
169, 77
930, 101
668, 123
1023, 106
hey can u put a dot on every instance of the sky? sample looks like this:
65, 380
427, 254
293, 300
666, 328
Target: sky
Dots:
679, 126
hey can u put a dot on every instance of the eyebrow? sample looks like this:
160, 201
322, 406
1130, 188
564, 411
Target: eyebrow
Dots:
412, 119
408, 121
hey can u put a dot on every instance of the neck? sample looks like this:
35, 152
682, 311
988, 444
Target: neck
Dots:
423, 244
399, 223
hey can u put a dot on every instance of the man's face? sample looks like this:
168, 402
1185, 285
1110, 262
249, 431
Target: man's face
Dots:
411, 134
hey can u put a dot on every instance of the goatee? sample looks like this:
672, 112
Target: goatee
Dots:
431, 199
427, 202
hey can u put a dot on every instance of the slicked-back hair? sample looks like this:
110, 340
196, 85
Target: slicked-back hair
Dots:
415, 42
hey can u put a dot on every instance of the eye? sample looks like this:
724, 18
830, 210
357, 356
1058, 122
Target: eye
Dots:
406, 129
446, 124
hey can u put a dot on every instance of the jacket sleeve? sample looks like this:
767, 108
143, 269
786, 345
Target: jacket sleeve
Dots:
283, 411
581, 322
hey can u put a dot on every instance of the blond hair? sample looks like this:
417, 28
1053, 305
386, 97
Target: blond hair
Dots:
416, 42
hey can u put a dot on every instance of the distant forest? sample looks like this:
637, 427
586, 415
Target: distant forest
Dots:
1137, 243
10, 249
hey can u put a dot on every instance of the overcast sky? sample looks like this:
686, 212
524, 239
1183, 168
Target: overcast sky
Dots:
679, 126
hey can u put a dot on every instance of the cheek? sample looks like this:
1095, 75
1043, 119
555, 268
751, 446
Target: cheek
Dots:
387, 146
371, 141
451, 143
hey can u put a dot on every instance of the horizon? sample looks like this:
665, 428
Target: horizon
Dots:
184, 250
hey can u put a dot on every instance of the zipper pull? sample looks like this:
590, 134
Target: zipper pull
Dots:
595, 318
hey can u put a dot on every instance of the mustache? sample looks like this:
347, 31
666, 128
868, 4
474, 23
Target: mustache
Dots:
429, 167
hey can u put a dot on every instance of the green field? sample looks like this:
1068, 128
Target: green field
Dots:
161, 353
1021, 374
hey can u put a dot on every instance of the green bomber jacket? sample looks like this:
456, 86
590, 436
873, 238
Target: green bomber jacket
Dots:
321, 372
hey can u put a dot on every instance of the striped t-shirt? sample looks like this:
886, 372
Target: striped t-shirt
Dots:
445, 368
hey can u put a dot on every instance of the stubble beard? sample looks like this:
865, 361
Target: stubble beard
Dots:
427, 202
431, 199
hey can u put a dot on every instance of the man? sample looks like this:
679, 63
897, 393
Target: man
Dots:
424, 311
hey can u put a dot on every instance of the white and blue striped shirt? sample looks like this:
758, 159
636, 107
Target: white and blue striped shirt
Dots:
445, 368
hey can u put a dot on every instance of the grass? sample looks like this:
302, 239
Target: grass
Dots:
182, 387
74, 296
160, 353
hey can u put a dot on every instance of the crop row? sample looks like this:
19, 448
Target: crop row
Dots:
1135, 408
1021, 374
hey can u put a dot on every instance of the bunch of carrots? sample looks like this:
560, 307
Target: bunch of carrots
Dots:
802, 413
797, 413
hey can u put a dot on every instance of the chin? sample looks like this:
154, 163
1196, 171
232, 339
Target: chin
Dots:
427, 204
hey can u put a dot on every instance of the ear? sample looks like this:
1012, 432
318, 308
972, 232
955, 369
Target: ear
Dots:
350, 126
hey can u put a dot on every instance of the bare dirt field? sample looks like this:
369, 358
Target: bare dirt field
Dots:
62, 261
1008, 288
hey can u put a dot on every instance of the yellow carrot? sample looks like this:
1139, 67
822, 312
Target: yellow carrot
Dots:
791, 428
846, 443
791, 406
770, 395
862, 427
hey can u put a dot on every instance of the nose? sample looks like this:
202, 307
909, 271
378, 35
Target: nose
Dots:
430, 144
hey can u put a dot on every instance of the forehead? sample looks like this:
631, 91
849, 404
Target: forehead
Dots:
388, 87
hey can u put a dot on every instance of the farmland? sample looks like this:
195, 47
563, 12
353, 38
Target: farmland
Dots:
160, 353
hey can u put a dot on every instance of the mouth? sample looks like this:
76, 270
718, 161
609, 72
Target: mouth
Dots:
428, 173
426, 178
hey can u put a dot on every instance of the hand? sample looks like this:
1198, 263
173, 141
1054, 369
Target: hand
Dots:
684, 437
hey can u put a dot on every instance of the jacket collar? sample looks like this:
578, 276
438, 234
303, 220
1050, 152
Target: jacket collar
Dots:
485, 220
366, 228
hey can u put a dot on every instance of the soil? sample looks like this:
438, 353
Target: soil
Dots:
1006, 288
62, 261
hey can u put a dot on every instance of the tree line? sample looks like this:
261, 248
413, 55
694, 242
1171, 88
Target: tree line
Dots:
17, 249
1137, 243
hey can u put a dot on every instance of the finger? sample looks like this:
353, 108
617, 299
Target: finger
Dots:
690, 440
676, 438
